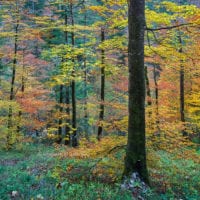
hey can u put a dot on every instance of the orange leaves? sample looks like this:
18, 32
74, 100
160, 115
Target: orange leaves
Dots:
93, 149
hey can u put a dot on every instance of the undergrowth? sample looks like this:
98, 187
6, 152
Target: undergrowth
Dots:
93, 171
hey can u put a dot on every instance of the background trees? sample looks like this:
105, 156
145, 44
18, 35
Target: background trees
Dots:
64, 75
58, 48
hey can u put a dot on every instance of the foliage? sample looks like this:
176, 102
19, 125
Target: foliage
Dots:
39, 61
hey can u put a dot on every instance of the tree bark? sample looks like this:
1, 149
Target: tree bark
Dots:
67, 93
135, 160
156, 96
148, 90
22, 91
182, 88
12, 95
60, 117
85, 82
101, 112
73, 87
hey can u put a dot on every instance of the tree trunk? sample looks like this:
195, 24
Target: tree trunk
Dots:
12, 95
60, 117
182, 88
101, 112
67, 93
135, 160
148, 90
22, 92
73, 87
67, 128
85, 82
156, 96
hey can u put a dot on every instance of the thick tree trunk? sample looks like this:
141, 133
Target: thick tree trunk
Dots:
101, 112
135, 160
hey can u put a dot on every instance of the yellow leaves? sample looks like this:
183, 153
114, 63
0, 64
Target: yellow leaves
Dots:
157, 18
51, 135
7, 34
98, 9
180, 10
94, 149
116, 2
114, 43
42, 20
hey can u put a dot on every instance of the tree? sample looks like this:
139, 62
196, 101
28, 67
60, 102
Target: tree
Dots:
135, 160
101, 113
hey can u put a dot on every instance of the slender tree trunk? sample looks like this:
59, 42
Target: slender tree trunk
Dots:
101, 112
1, 73
67, 90
148, 99
85, 82
67, 128
12, 95
85, 102
148, 90
14, 62
73, 87
182, 88
135, 160
22, 91
156, 96
60, 118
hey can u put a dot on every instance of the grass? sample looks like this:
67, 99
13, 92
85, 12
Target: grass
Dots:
37, 172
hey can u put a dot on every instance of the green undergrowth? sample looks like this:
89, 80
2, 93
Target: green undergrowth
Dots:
37, 172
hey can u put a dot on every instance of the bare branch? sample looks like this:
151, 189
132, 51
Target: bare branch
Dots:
169, 27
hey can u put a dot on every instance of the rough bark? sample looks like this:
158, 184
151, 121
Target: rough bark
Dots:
135, 160
101, 112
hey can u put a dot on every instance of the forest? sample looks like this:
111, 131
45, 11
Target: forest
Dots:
99, 100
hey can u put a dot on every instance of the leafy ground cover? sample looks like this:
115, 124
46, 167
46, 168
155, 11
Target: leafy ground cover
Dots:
34, 173
39, 171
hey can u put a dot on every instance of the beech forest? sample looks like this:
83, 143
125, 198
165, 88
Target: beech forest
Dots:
99, 100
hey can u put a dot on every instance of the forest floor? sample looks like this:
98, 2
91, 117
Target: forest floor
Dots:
40, 171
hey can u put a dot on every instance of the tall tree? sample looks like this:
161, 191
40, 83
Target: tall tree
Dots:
135, 160
73, 84
182, 86
67, 93
101, 112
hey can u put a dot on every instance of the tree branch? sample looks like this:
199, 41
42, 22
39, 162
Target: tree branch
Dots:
168, 27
